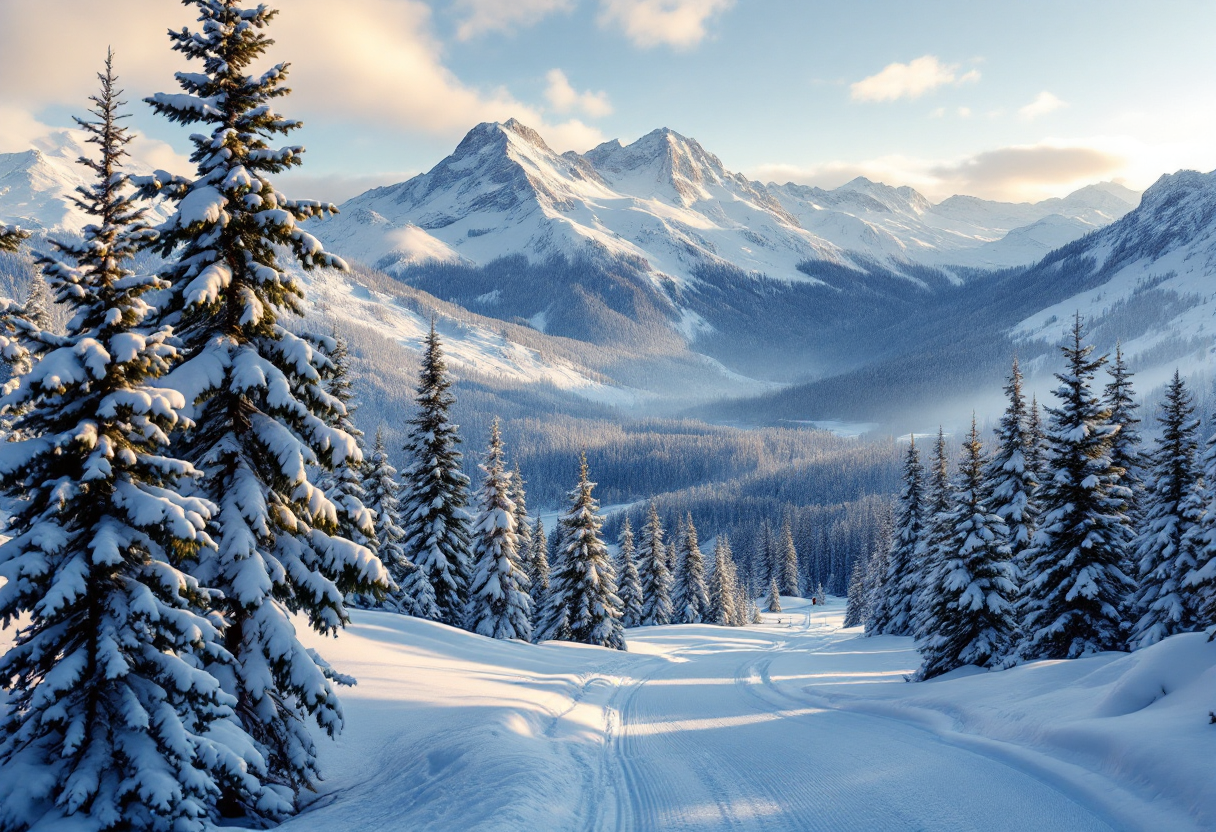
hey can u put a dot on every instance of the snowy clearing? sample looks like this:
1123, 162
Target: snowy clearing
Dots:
793, 724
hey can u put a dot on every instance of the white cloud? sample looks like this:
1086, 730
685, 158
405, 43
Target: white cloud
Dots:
1043, 104
677, 23
376, 64
563, 97
910, 80
479, 17
964, 112
1015, 173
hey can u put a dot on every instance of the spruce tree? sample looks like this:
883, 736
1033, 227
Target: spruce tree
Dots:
1200, 582
788, 560
653, 571
435, 491
1036, 441
523, 526
774, 597
1126, 452
629, 583
938, 532
107, 713
38, 303
499, 604
582, 604
381, 487
690, 601
876, 574
855, 604
891, 609
344, 483
1012, 479
1075, 586
539, 576
970, 614
722, 588
263, 418
1166, 548
11, 237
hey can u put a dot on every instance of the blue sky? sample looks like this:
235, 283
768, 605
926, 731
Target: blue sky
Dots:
1005, 100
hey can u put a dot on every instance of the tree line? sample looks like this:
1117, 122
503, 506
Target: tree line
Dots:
1067, 539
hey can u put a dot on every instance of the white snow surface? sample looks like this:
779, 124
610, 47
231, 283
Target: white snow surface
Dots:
666, 201
792, 724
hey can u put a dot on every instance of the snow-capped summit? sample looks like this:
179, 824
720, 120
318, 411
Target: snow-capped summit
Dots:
36, 187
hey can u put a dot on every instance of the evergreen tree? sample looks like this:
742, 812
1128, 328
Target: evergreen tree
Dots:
630, 584
344, 484
263, 418
582, 604
690, 600
1010, 473
499, 604
381, 487
1036, 442
722, 589
38, 302
938, 533
539, 575
1200, 582
653, 571
1075, 585
788, 560
523, 526
969, 611
1125, 449
107, 712
435, 490
891, 610
876, 574
1173, 508
774, 596
11, 237
855, 605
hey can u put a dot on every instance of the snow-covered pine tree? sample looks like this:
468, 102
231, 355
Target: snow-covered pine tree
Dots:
690, 600
262, 414
722, 589
762, 555
38, 302
499, 604
970, 615
11, 237
344, 483
891, 608
1036, 441
855, 604
523, 525
1075, 586
1200, 582
787, 557
434, 490
1010, 474
876, 574
1126, 451
539, 576
938, 532
582, 604
107, 712
629, 584
774, 597
381, 487
653, 571
1166, 548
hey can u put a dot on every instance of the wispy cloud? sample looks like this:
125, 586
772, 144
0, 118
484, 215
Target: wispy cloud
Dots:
1043, 104
910, 80
564, 98
678, 23
479, 17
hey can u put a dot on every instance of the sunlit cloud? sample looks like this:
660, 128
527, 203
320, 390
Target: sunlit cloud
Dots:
678, 23
564, 98
910, 80
1043, 104
479, 17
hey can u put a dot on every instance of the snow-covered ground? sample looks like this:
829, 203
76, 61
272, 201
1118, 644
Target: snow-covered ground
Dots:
793, 724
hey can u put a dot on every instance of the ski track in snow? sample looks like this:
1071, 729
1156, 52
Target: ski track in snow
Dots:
697, 728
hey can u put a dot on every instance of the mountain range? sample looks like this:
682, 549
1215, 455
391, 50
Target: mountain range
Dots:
649, 277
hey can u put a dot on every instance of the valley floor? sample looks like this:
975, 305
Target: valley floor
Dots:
792, 724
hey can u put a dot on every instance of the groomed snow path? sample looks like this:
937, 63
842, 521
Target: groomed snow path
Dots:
792, 724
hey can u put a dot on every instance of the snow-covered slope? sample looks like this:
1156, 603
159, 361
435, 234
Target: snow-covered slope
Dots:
791, 724
1148, 280
667, 203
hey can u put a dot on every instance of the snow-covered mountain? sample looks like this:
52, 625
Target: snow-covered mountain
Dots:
666, 203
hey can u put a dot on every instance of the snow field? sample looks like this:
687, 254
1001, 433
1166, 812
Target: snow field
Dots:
795, 725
